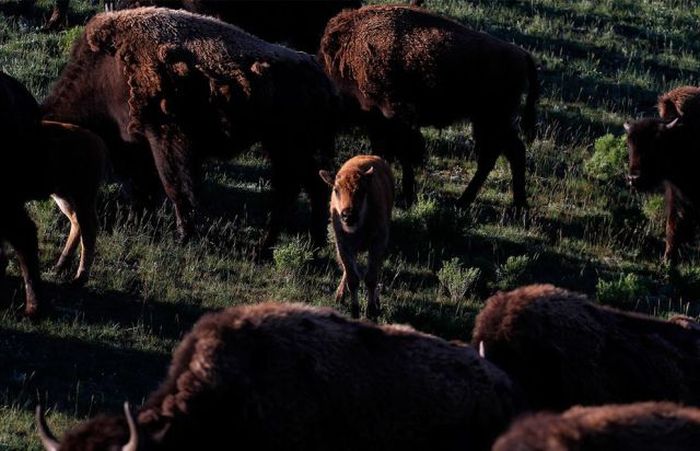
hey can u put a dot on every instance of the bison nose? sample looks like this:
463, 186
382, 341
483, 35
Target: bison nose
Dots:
346, 215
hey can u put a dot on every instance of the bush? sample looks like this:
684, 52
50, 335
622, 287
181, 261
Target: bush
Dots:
292, 257
514, 272
653, 208
456, 280
628, 288
608, 160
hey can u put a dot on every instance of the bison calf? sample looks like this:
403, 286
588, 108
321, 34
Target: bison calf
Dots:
406, 68
682, 101
563, 350
294, 377
361, 205
664, 153
648, 426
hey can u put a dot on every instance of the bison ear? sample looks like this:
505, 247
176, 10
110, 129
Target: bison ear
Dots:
369, 171
327, 177
627, 127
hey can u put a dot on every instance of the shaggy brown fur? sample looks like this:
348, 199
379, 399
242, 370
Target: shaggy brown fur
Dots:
361, 205
640, 427
77, 160
563, 350
295, 377
682, 101
19, 158
200, 88
406, 68
666, 153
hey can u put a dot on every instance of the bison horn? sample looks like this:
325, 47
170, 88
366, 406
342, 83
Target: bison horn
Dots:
672, 124
133, 443
47, 438
627, 126
482, 349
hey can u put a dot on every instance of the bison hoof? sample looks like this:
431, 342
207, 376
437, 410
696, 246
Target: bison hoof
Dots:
373, 311
31, 310
355, 311
80, 280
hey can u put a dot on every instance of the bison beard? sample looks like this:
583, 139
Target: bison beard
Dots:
402, 67
294, 377
198, 88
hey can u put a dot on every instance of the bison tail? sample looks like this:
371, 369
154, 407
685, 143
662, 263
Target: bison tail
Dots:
529, 118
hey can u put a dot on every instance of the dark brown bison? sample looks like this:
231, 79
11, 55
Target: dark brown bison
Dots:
406, 68
682, 101
361, 205
665, 153
19, 159
563, 350
190, 87
294, 377
651, 426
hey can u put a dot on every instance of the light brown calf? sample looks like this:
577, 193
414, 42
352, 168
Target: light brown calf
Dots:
361, 204
682, 101
77, 162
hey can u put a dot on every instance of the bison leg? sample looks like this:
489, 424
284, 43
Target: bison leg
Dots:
58, 15
73, 236
3, 262
319, 196
515, 153
350, 279
83, 217
176, 166
678, 229
20, 232
486, 160
375, 259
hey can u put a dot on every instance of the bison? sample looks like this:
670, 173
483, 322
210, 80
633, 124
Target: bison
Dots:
295, 377
662, 152
650, 426
20, 124
682, 101
563, 350
361, 204
405, 68
189, 87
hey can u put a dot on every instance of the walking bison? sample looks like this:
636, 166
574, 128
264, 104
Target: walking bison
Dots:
650, 426
361, 205
405, 68
294, 377
662, 152
563, 350
190, 87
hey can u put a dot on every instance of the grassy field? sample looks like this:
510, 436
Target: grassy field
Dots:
602, 62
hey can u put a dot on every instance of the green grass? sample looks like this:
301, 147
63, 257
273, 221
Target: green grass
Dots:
603, 62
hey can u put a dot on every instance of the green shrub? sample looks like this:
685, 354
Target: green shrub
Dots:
514, 272
292, 257
608, 160
456, 280
653, 208
627, 288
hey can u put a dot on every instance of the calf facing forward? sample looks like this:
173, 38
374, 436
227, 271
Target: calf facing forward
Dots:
294, 377
361, 204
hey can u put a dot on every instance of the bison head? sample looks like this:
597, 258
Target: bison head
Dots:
100, 433
349, 198
645, 141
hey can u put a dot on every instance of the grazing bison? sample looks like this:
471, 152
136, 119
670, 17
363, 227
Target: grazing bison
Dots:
361, 204
294, 377
682, 101
661, 152
563, 350
406, 68
190, 87
19, 126
651, 426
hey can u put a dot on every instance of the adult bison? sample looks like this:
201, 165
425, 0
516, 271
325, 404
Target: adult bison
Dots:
650, 426
20, 160
407, 68
664, 153
190, 87
563, 350
294, 377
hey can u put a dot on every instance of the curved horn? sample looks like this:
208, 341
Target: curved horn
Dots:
47, 438
482, 349
627, 126
133, 443
673, 123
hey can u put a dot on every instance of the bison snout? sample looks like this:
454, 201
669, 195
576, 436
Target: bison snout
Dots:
347, 216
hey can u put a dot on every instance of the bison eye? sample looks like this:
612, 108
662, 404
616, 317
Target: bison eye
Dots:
335, 191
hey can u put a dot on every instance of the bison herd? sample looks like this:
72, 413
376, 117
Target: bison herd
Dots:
149, 93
